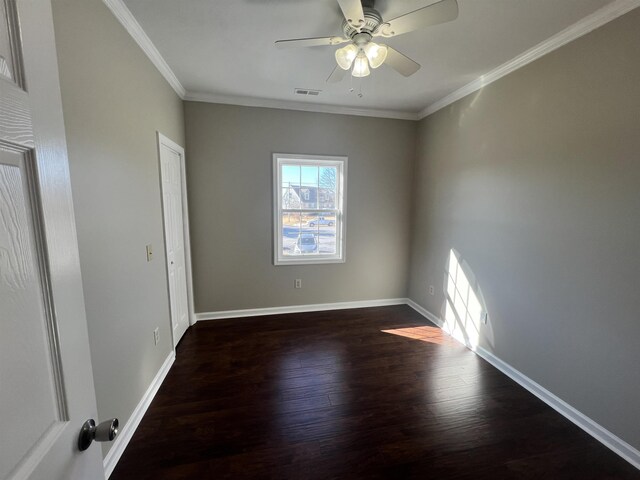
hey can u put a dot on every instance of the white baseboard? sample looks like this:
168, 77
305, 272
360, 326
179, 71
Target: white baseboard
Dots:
597, 431
253, 312
594, 429
129, 428
425, 313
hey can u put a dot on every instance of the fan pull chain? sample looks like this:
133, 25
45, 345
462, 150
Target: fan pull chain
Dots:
351, 88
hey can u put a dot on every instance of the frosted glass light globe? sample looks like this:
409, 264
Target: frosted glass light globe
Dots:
376, 54
361, 66
346, 55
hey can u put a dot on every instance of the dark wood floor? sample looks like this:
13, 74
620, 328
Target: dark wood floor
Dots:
366, 393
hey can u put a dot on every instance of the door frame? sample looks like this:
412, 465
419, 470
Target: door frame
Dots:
165, 141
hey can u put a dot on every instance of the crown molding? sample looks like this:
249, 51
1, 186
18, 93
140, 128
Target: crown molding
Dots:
589, 23
582, 27
128, 21
300, 106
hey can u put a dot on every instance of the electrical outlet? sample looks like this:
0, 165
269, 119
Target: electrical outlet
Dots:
149, 252
156, 336
298, 283
432, 290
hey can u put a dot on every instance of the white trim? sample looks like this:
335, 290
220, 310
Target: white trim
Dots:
299, 106
587, 24
597, 431
340, 163
254, 312
129, 428
594, 429
425, 313
128, 21
167, 142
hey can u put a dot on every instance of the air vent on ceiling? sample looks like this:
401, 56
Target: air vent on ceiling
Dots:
306, 91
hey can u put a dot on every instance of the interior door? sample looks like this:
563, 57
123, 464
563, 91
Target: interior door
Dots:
171, 171
46, 382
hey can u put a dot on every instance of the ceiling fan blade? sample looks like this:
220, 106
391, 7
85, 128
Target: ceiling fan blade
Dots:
401, 63
352, 11
311, 42
337, 75
440, 12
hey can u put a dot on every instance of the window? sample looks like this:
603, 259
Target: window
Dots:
309, 195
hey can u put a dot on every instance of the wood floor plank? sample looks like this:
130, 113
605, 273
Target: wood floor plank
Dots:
349, 394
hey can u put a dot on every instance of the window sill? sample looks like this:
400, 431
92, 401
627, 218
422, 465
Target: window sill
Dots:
306, 261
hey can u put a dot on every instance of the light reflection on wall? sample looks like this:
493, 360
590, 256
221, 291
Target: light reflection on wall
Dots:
464, 308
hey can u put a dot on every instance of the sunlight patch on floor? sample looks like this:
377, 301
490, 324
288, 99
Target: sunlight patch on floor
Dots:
425, 334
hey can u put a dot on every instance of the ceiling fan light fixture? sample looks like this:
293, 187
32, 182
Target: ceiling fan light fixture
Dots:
376, 53
361, 66
346, 55
362, 23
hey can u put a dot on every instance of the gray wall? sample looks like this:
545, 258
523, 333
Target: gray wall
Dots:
114, 100
229, 173
535, 181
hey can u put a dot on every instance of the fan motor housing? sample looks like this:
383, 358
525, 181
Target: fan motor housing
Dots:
372, 20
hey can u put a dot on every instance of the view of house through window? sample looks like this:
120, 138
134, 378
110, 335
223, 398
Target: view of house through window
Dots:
309, 205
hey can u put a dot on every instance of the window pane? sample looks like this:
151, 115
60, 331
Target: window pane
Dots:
291, 229
327, 187
309, 187
290, 175
327, 198
290, 198
324, 228
320, 220
305, 234
328, 177
309, 175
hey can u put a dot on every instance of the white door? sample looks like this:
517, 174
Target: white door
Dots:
174, 211
46, 382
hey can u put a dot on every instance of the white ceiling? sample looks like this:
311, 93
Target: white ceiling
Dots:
226, 47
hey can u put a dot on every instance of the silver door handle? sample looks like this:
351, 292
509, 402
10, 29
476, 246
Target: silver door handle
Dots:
105, 432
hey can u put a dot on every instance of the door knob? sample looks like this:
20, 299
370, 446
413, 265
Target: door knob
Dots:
105, 432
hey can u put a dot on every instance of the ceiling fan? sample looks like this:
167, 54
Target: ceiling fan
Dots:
362, 24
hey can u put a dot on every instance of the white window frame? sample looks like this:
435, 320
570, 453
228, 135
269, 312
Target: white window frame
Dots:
340, 163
